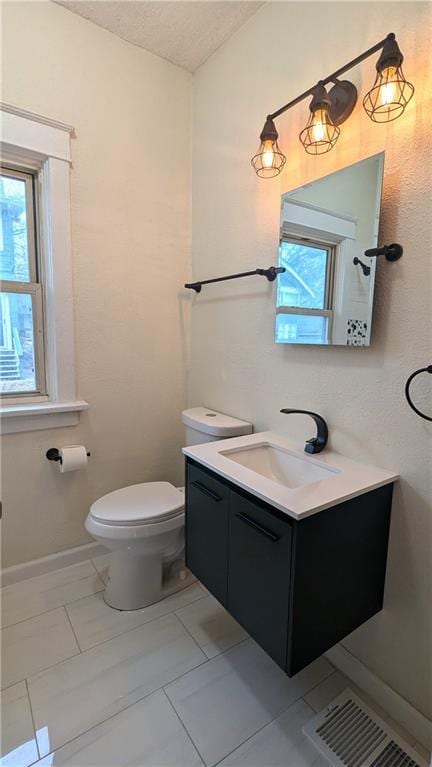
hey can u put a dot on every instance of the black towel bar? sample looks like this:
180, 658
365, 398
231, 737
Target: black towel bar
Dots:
271, 273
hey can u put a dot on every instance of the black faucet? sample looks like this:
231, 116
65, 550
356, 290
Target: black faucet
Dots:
318, 443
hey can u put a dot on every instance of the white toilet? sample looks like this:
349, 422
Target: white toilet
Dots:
143, 525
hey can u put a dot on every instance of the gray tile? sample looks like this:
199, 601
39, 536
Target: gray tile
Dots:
148, 734
45, 592
36, 644
232, 696
18, 743
211, 626
76, 695
323, 693
95, 622
280, 743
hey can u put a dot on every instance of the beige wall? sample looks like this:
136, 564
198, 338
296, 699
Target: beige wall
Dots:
131, 245
237, 368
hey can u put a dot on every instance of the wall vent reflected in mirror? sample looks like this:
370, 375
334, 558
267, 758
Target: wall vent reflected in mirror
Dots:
323, 297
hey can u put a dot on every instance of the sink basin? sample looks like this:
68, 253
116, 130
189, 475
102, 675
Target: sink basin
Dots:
279, 465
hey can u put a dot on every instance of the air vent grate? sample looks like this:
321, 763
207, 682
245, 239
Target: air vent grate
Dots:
394, 756
349, 734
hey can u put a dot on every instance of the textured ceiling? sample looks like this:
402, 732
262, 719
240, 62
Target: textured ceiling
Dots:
186, 32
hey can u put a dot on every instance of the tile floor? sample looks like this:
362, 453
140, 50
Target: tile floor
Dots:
177, 684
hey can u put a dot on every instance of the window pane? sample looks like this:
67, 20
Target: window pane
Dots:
304, 282
301, 329
17, 355
14, 255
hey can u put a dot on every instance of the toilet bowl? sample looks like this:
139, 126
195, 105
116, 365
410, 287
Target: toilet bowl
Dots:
143, 525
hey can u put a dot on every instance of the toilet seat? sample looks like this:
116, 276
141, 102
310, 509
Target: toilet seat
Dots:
143, 504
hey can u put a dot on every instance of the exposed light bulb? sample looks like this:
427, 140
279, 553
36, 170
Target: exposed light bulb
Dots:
318, 123
268, 154
388, 88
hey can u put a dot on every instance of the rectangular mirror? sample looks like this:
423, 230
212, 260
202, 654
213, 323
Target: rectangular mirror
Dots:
323, 297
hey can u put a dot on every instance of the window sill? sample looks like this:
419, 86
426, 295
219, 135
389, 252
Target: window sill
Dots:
42, 415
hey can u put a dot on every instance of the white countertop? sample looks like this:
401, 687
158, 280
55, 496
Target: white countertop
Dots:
349, 478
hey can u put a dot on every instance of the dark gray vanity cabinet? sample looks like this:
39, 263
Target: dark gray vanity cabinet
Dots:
297, 586
259, 556
207, 531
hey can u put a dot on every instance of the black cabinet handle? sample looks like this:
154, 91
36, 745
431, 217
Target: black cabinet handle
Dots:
206, 491
251, 522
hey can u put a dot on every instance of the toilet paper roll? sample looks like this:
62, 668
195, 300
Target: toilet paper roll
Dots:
73, 457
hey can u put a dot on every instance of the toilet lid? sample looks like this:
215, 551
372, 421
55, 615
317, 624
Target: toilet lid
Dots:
138, 504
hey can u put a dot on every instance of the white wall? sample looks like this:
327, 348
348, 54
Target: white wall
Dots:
236, 366
131, 245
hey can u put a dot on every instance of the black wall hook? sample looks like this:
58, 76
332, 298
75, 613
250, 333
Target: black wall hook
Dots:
392, 252
365, 269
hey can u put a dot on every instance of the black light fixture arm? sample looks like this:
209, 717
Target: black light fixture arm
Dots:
318, 443
271, 273
334, 76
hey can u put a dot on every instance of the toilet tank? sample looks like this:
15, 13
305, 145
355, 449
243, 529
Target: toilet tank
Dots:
206, 425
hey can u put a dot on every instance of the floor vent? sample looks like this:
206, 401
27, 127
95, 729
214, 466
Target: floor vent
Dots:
349, 734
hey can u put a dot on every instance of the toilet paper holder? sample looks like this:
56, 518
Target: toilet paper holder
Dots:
53, 454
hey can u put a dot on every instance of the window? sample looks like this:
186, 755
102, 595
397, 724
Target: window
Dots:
37, 360
22, 354
304, 291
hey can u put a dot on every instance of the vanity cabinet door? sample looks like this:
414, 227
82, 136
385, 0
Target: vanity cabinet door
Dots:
259, 574
207, 502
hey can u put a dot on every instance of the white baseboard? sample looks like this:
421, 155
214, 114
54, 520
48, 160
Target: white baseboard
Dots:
393, 703
52, 562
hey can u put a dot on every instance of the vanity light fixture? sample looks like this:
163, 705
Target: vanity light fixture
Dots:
269, 160
386, 101
320, 134
391, 92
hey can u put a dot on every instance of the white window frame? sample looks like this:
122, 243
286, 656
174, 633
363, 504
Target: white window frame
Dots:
33, 286
43, 145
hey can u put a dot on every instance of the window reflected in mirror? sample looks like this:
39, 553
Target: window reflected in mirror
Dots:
323, 297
